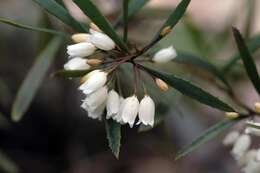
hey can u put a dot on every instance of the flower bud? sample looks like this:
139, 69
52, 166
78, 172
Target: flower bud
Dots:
80, 37
77, 64
241, 146
93, 81
129, 109
94, 62
147, 111
81, 49
95, 99
165, 55
257, 107
252, 166
231, 115
247, 157
113, 104
231, 138
94, 27
166, 30
102, 41
161, 84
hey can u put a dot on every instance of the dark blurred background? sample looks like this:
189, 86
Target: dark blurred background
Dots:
55, 135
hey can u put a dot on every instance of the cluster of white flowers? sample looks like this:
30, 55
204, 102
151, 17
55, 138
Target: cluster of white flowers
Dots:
248, 159
119, 109
86, 45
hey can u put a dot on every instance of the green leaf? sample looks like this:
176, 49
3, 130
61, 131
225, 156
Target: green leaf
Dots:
61, 13
253, 46
71, 73
186, 58
133, 7
113, 130
173, 19
247, 59
94, 14
6, 164
31, 28
190, 90
209, 134
125, 17
34, 79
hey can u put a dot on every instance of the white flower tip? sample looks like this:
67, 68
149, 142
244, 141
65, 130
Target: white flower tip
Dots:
165, 55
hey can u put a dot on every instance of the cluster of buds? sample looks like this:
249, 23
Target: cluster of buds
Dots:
100, 97
247, 158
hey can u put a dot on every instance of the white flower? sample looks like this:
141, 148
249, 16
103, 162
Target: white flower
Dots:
241, 146
253, 166
102, 41
147, 111
129, 109
94, 80
165, 55
245, 159
77, 64
252, 131
231, 138
80, 37
113, 104
118, 116
97, 113
95, 99
81, 49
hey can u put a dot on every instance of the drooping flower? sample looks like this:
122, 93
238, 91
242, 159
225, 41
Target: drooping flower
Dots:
252, 131
102, 41
231, 138
77, 64
93, 81
95, 99
245, 159
241, 146
253, 166
129, 109
146, 111
165, 55
81, 49
113, 104
118, 116
80, 37
97, 113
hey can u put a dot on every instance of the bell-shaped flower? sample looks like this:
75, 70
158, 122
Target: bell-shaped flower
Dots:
146, 111
97, 113
118, 116
165, 55
95, 99
93, 81
252, 131
113, 104
102, 41
241, 146
81, 49
231, 138
129, 109
77, 64
253, 166
245, 159
80, 37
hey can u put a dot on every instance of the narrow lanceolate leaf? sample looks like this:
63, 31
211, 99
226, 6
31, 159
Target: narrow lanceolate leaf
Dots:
71, 73
125, 14
95, 15
173, 19
188, 89
6, 164
133, 7
253, 46
209, 134
248, 60
186, 58
61, 13
31, 28
113, 130
34, 79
